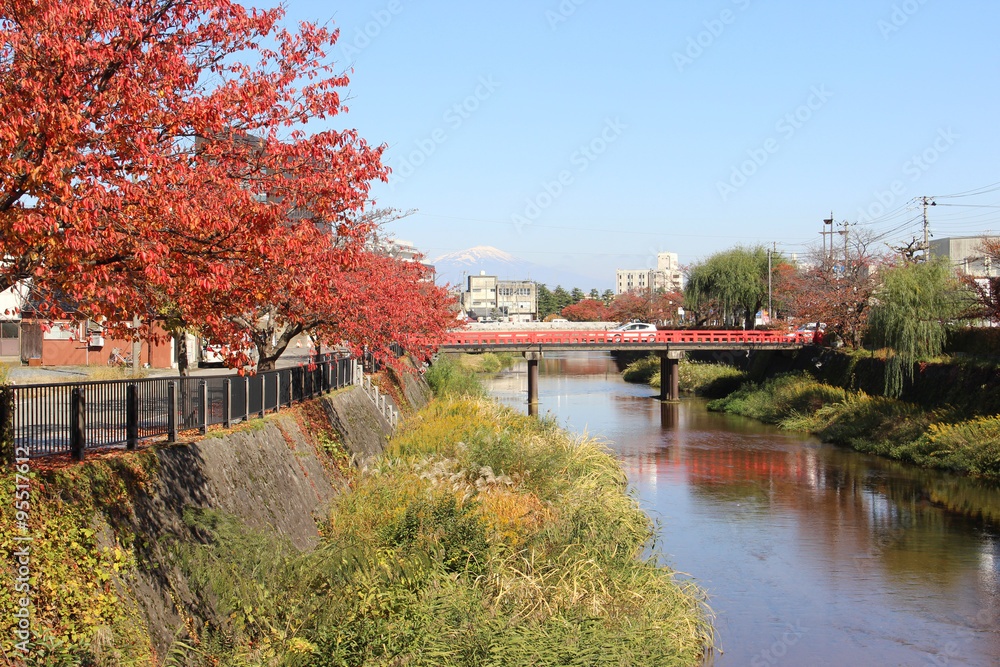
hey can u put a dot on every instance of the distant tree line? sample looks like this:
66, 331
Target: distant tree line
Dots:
552, 302
576, 305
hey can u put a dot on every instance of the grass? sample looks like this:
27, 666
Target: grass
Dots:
447, 376
482, 537
702, 379
487, 362
946, 437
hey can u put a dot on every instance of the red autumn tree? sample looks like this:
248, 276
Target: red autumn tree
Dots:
640, 304
628, 306
834, 290
586, 310
145, 146
307, 281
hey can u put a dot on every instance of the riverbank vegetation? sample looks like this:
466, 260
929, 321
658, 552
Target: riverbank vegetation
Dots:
698, 378
487, 362
479, 537
945, 437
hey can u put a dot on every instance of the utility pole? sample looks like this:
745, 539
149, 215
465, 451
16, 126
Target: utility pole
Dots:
925, 202
828, 221
845, 244
770, 253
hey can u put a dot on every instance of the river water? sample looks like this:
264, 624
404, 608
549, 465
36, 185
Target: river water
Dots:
811, 554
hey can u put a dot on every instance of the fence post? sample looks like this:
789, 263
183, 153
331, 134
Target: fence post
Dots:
277, 391
302, 383
131, 416
246, 398
78, 423
203, 406
172, 412
7, 453
227, 404
263, 395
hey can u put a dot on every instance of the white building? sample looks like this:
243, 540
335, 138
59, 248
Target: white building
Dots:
513, 300
965, 255
666, 276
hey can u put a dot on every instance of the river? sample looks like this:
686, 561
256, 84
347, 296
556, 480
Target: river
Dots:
811, 554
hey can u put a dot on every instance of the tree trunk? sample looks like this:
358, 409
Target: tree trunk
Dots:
183, 364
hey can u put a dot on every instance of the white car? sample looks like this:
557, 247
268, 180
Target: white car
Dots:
633, 332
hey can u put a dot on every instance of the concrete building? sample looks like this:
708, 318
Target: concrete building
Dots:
666, 276
487, 296
965, 256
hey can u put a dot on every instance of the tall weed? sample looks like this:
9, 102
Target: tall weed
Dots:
447, 377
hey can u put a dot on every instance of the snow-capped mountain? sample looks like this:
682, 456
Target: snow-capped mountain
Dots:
453, 268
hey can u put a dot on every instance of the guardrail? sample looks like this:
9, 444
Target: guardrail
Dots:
382, 402
59, 418
513, 338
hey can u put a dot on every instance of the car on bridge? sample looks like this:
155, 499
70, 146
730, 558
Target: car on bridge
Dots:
633, 331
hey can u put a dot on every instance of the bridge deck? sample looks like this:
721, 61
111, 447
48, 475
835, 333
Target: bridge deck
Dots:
675, 340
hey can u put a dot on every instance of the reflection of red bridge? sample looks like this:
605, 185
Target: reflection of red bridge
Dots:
670, 345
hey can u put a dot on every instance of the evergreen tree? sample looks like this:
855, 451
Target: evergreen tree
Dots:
562, 298
546, 301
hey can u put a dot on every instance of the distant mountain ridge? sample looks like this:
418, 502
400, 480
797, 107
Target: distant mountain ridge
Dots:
453, 268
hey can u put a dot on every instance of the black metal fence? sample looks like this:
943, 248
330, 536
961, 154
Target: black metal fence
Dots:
46, 419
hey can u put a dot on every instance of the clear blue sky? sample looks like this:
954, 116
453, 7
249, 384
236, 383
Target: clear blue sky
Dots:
592, 135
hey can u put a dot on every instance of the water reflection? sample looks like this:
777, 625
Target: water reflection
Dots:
874, 561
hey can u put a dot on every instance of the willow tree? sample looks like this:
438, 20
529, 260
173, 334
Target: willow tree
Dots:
733, 282
912, 315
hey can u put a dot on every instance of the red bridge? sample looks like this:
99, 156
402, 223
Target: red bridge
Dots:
670, 345
662, 341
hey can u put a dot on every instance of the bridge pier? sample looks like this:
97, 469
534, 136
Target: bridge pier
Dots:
670, 379
532, 358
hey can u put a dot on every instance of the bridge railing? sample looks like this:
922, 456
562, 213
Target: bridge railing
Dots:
522, 338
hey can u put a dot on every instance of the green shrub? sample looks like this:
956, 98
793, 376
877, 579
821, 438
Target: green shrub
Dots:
779, 398
447, 377
642, 371
711, 380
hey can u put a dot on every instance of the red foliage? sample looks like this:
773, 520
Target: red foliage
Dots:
833, 294
586, 310
641, 305
147, 145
